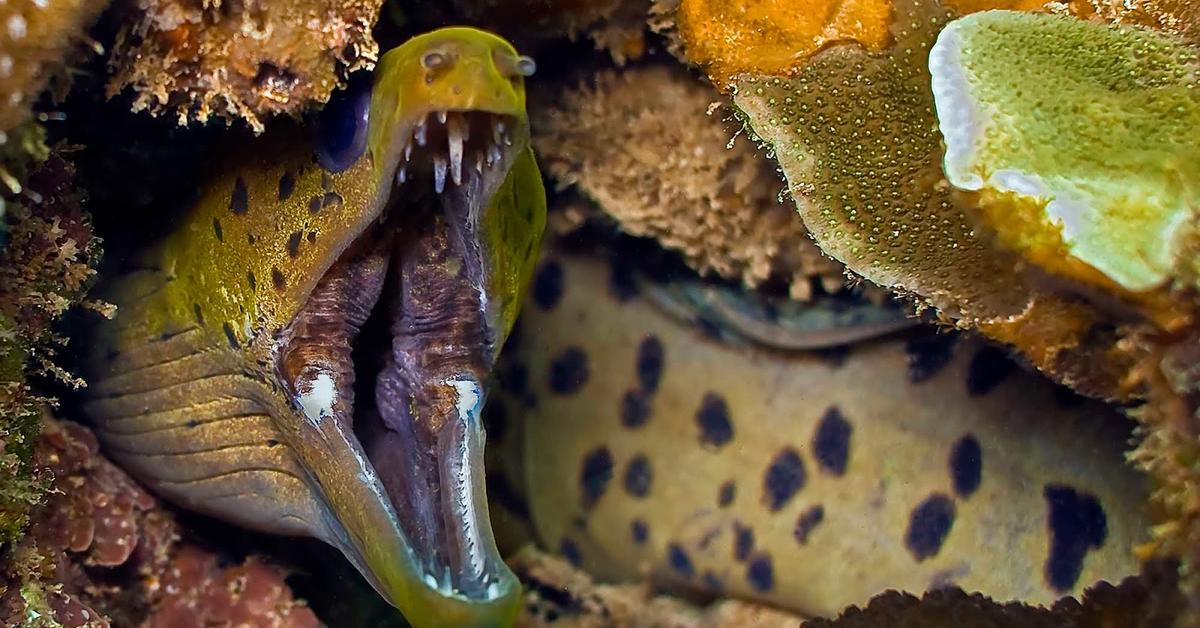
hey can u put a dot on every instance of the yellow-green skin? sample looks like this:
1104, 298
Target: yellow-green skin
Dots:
879, 431
183, 388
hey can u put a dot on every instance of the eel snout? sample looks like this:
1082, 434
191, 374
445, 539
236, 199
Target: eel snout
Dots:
385, 366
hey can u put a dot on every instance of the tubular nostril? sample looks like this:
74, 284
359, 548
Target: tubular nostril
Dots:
526, 66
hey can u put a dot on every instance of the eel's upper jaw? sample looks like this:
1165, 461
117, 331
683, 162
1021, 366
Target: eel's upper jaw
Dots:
403, 477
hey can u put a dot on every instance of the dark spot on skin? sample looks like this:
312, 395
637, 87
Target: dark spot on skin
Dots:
928, 354
569, 371
311, 237
198, 312
638, 476
193, 423
217, 230
650, 363
966, 465
743, 541
835, 357
621, 279
726, 493
831, 443
570, 551
548, 285
314, 204
230, 336
331, 199
514, 378
239, 202
1077, 524
716, 429
989, 367
293, 244
250, 239
271, 442
760, 573
495, 420
785, 476
635, 409
711, 581
679, 561
594, 475
807, 522
928, 526
287, 185
277, 279
251, 280
639, 531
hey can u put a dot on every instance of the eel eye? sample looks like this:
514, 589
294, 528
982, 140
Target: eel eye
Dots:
526, 66
434, 60
341, 127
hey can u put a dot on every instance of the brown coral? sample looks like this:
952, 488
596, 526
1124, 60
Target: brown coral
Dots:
248, 60
617, 26
645, 147
103, 550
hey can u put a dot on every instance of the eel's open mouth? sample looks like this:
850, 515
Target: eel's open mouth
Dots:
396, 340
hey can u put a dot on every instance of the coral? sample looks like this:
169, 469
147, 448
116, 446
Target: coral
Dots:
642, 145
616, 26
774, 37
248, 60
102, 550
35, 36
1178, 17
45, 268
1101, 198
1145, 601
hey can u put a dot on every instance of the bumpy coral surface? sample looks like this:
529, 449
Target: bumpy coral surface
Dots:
247, 60
645, 147
102, 551
1092, 183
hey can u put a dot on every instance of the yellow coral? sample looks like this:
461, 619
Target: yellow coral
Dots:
641, 144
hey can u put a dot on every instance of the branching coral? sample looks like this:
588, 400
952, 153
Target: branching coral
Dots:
617, 26
102, 550
248, 60
45, 267
643, 146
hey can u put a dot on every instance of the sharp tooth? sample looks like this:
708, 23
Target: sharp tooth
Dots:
455, 133
439, 174
442, 117
430, 581
401, 176
493, 154
420, 133
407, 152
498, 131
507, 141
493, 590
479, 162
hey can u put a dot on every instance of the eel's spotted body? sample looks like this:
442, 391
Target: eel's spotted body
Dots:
235, 380
647, 448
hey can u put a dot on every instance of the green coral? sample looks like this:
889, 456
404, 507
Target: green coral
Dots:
1095, 125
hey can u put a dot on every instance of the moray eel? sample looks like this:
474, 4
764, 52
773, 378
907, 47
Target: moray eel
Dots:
809, 480
306, 353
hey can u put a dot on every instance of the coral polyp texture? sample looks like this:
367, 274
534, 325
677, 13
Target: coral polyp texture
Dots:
1095, 180
644, 147
240, 60
615, 26
103, 552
